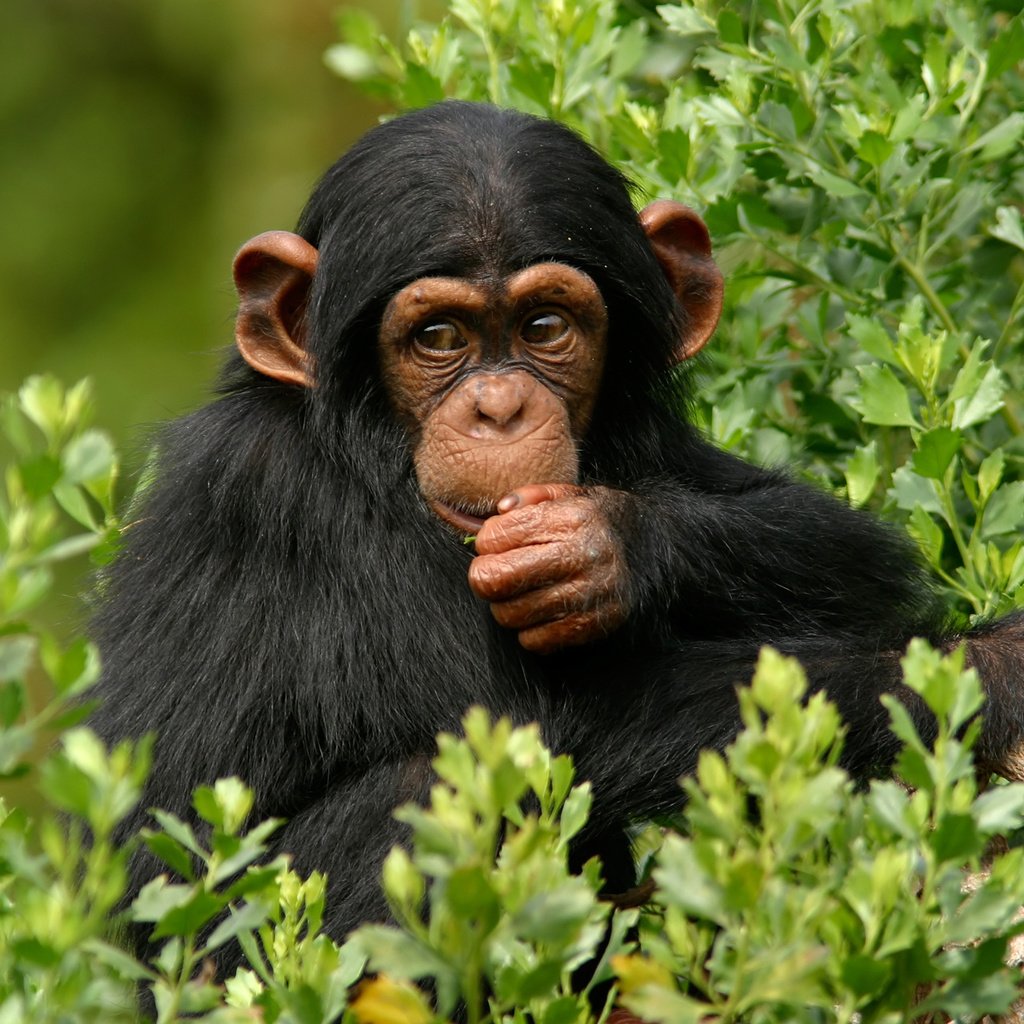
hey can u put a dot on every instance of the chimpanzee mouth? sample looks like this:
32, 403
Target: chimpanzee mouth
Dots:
464, 522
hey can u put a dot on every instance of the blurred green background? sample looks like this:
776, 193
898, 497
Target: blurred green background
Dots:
143, 142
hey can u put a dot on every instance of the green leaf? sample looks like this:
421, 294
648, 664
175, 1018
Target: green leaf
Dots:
890, 807
575, 812
1001, 140
1004, 513
874, 148
89, 456
12, 701
934, 451
400, 955
188, 916
225, 805
557, 915
32, 587
684, 883
70, 547
1000, 809
117, 959
73, 500
1008, 227
42, 400
832, 183
685, 20
985, 401
173, 854
927, 533
178, 830
864, 975
1007, 49
157, 898
872, 337
883, 399
990, 472
350, 62
472, 897
956, 838
38, 475
16, 655
402, 880
250, 917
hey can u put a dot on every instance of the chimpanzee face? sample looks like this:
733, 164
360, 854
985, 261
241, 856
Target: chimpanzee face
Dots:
495, 380
494, 377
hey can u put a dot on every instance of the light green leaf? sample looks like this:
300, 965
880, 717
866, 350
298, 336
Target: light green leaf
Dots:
872, 337
862, 474
1008, 227
990, 472
1001, 140
883, 399
910, 490
88, 457
350, 62
983, 403
1004, 514
684, 20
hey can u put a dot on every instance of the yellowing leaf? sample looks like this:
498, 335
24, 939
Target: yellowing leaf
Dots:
636, 971
384, 1001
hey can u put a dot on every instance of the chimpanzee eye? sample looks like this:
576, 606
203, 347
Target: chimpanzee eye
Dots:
440, 336
544, 329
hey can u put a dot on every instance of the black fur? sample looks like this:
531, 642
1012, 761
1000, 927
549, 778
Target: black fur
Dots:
287, 609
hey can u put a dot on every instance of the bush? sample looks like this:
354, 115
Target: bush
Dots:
861, 169
862, 172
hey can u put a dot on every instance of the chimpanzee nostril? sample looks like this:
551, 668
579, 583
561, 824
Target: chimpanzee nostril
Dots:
501, 398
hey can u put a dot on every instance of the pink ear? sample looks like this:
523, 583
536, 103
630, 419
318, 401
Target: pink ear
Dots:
273, 273
681, 243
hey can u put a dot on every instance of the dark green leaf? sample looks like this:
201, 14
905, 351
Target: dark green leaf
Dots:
935, 451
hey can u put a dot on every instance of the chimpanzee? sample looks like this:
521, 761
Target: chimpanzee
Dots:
473, 334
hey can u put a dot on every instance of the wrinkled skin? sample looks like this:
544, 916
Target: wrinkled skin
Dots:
552, 567
496, 383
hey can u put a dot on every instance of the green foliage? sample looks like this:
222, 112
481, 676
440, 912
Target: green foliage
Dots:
861, 168
486, 905
786, 893
794, 896
62, 878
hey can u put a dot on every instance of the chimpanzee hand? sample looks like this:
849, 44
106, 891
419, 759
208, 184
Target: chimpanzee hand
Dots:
552, 566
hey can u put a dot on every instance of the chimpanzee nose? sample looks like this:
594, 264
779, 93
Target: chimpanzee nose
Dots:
500, 400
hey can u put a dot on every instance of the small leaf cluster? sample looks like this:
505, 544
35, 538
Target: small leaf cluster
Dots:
62, 876
56, 502
487, 908
861, 169
794, 896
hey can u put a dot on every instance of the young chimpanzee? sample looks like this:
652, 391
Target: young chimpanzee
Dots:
473, 333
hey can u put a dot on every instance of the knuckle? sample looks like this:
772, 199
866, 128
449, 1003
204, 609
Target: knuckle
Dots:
539, 640
506, 615
488, 576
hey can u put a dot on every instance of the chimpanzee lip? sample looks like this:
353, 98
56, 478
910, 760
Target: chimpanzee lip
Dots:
462, 521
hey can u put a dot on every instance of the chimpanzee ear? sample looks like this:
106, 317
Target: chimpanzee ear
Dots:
273, 273
683, 247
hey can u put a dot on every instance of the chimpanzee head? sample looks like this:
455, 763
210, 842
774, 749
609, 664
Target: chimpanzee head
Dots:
479, 278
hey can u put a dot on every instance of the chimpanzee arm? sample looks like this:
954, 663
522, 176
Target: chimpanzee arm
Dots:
686, 702
765, 557
751, 552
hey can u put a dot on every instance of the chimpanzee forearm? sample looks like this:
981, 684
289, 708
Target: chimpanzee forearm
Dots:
688, 703
774, 558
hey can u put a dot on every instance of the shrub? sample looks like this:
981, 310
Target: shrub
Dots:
861, 170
